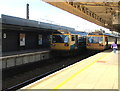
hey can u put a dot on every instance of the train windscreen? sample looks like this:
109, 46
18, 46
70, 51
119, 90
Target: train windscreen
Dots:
60, 39
95, 39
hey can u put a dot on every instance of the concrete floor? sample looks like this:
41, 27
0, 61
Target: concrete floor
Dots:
96, 72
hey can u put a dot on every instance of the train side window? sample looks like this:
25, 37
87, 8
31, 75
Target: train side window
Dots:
80, 39
72, 38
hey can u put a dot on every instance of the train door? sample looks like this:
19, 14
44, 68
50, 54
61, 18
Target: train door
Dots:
106, 42
118, 40
76, 40
82, 42
72, 43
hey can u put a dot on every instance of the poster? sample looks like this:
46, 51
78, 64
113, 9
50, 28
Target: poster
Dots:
39, 39
22, 39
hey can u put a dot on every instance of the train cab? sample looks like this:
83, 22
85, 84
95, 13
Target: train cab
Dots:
99, 41
67, 40
60, 42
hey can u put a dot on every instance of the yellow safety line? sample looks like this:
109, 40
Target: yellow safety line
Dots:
64, 82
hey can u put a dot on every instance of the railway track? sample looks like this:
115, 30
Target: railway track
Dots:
29, 73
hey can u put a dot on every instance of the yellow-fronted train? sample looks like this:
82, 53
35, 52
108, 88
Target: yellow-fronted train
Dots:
100, 41
66, 42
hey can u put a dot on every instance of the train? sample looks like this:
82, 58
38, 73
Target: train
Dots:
101, 41
72, 41
68, 41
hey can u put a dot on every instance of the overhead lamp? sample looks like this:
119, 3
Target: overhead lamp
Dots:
106, 24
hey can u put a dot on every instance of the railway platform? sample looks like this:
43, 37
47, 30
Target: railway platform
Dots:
98, 72
13, 59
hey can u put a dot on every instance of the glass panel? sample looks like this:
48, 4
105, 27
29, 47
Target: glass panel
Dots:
60, 39
82, 39
95, 39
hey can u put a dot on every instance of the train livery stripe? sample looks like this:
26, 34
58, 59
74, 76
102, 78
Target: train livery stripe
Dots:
67, 80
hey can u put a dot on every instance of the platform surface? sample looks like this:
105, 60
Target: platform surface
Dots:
24, 52
96, 72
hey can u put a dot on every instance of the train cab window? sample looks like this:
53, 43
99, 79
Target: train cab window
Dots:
60, 39
72, 38
66, 39
95, 39
100, 40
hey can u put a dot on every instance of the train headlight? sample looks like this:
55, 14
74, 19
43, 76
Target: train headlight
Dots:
88, 45
53, 44
66, 44
101, 44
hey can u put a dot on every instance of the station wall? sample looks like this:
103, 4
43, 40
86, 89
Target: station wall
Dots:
24, 40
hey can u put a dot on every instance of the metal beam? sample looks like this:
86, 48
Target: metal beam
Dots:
81, 11
99, 12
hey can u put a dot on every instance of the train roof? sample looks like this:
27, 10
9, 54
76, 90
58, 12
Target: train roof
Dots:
80, 33
109, 34
100, 33
71, 32
95, 33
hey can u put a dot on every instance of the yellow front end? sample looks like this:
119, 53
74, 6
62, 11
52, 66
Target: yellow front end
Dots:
97, 46
60, 46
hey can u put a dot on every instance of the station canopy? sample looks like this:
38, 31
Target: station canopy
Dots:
105, 13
